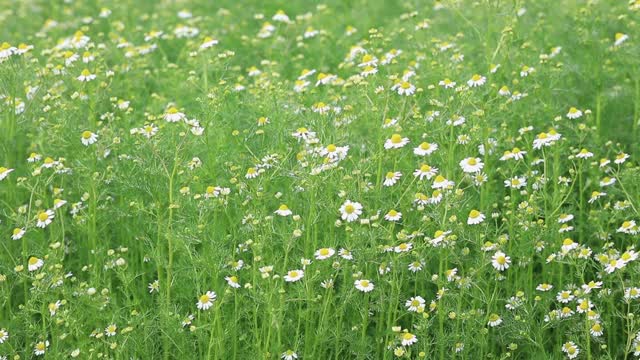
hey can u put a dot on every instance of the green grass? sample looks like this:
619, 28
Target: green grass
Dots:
178, 213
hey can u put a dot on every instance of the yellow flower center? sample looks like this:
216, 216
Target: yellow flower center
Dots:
331, 148
349, 209
476, 77
324, 252
86, 134
43, 216
204, 299
33, 260
474, 214
364, 283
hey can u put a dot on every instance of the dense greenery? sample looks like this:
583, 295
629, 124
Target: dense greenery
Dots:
341, 180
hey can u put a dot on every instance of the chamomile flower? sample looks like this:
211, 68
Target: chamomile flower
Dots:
391, 178
18, 233
232, 281
34, 263
571, 349
425, 171
415, 303
283, 210
425, 148
476, 80
289, 355
364, 285
494, 320
500, 261
324, 253
294, 275
208, 42
475, 217
350, 211
471, 165
111, 330
205, 301
4, 172
584, 154
393, 215
4, 336
408, 339
44, 218
620, 38
88, 138
574, 113
440, 182
516, 182
86, 76
53, 307
40, 347
174, 115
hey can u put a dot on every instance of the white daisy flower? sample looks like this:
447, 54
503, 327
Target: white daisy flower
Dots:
500, 261
294, 275
364, 285
205, 301
350, 211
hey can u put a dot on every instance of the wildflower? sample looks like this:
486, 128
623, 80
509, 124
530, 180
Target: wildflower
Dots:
447, 84
516, 182
324, 253
283, 210
304, 134
621, 158
395, 142
471, 165
571, 349
500, 261
154, 286
350, 211
4, 335
364, 285
620, 38
476, 80
86, 76
415, 303
44, 218
475, 217
41, 347
4, 172
425, 148
494, 320
111, 330
294, 275
584, 154
425, 171
565, 296
404, 88
53, 307
88, 138
393, 215
408, 339
18, 233
391, 178
544, 287
574, 113
345, 254
206, 300
440, 182
596, 329
174, 115
208, 42
289, 355
232, 281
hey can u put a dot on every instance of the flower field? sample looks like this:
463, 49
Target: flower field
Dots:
350, 179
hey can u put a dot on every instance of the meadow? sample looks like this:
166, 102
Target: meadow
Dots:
346, 179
